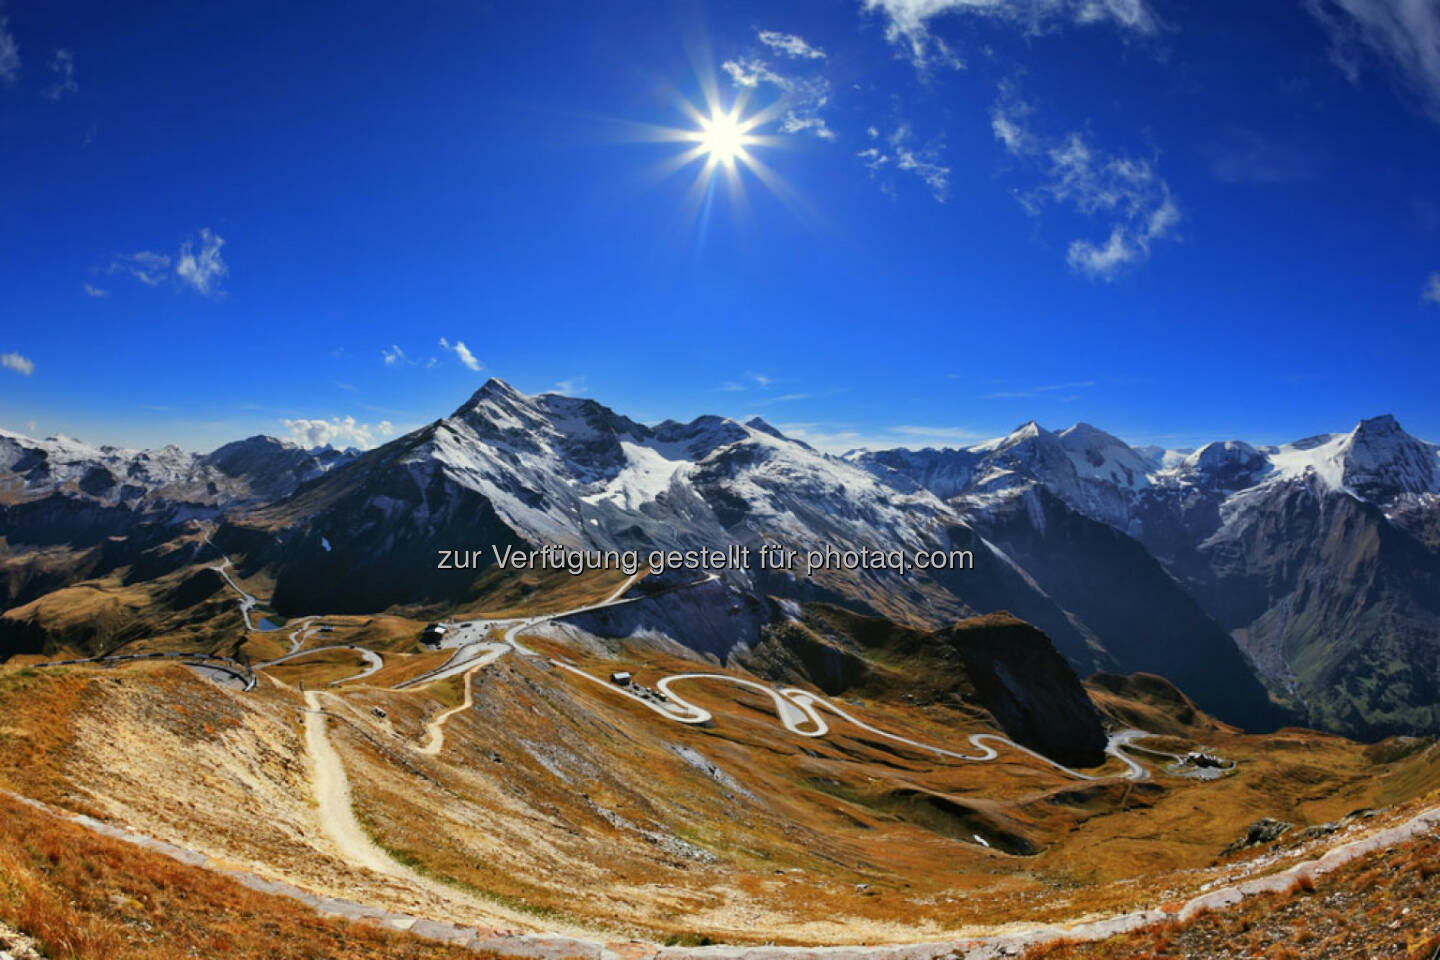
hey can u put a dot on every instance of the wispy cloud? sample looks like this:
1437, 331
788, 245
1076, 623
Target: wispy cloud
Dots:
20, 364
938, 433
832, 438
900, 153
197, 266
96, 292
793, 396
908, 22
802, 97
1403, 34
1031, 393
750, 379
394, 357
782, 398
1125, 192
9, 53
147, 266
1431, 293
838, 438
336, 432
200, 266
462, 353
573, 386
62, 64
790, 45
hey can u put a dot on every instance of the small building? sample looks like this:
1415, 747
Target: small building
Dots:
621, 679
434, 633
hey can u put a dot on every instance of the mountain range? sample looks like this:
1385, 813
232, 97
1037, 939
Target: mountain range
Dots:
1295, 583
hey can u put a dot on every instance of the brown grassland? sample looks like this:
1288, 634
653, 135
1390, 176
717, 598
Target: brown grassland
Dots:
556, 801
1385, 905
85, 896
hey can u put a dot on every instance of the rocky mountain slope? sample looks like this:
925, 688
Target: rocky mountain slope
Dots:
69, 510
1313, 564
1320, 557
509, 469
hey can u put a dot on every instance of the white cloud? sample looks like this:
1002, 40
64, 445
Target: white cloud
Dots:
198, 269
63, 65
783, 398
938, 433
1403, 34
801, 98
9, 53
336, 432
1127, 193
14, 361
1431, 293
873, 159
462, 353
573, 387
394, 357
97, 292
202, 270
840, 438
924, 162
747, 72
907, 22
831, 438
147, 266
935, 175
790, 45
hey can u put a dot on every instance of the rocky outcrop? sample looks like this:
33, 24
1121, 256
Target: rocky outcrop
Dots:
996, 663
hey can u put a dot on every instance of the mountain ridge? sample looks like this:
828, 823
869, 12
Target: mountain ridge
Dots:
1228, 540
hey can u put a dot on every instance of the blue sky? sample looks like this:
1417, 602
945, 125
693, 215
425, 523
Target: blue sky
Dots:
1179, 222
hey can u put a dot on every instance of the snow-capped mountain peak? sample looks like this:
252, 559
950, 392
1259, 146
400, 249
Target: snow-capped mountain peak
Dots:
161, 478
1380, 460
1224, 465
1098, 455
1376, 461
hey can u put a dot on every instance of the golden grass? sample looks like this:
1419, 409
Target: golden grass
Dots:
317, 670
1383, 905
83, 896
557, 796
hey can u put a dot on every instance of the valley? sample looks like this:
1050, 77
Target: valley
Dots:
1055, 739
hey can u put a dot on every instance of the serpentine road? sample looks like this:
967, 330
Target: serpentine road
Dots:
799, 712
372, 659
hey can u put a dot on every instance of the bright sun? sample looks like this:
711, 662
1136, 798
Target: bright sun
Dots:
725, 140
723, 137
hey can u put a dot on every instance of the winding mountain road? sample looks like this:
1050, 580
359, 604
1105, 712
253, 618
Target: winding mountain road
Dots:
799, 712
373, 660
435, 729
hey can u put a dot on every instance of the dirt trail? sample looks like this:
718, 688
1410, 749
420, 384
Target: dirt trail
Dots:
331, 787
436, 728
332, 796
